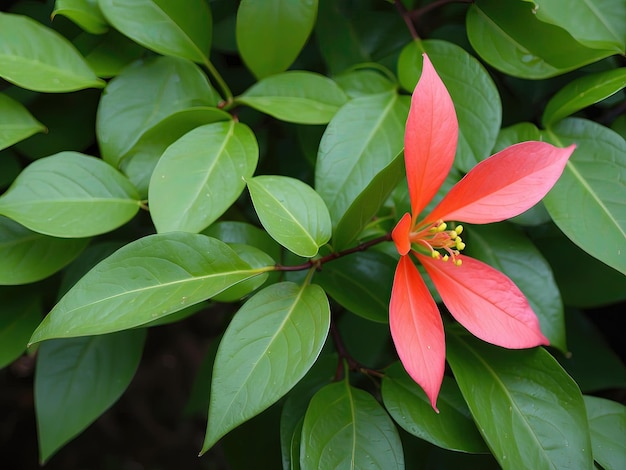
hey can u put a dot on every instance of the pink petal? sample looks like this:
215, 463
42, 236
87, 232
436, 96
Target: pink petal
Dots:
486, 302
505, 184
400, 234
417, 329
430, 138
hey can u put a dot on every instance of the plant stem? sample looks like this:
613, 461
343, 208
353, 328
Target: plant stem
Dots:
416, 14
406, 16
317, 263
228, 95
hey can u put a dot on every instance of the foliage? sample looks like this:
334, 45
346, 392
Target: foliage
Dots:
159, 159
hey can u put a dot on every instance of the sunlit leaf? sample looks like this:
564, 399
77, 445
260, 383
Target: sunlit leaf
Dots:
85, 13
16, 123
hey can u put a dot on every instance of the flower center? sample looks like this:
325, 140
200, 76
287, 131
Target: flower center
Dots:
442, 243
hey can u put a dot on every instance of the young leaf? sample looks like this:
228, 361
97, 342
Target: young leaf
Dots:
345, 427
77, 379
147, 279
85, 13
607, 422
168, 27
512, 253
291, 212
144, 94
29, 256
300, 97
40, 59
514, 41
271, 33
452, 428
583, 92
16, 123
583, 202
476, 98
362, 138
200, 175
525, 405
270, 344
21, 313
70, 195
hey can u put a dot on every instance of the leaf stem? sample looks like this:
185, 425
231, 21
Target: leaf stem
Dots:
317, 263
416, 14
228, 95
346, 362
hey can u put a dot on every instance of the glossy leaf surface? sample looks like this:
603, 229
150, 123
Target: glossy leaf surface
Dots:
70, 195
77, 379
147, 279
85, 13
270, 344
291, 212
607, 423
16, 123
200, 175
37, 58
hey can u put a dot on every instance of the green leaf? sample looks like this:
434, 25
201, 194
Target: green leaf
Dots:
592, 363
271, 33
21, 313
361, 283
300, 97
77, 379
270, 344
29, 256
143, 95
452, 428
70, 195
147, 279
583, 202
367, 204
107, 54
40, 59
511, 252
168, 27
85, 13
476, 98
515, 42
583, 92
200, 176
139, 162
362, 138
598, 24
291, 212
242, 232
607, 423
16, 123
256, 259
362, 81
345, 427
525, 405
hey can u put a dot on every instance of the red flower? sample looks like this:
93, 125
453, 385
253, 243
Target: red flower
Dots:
482, 299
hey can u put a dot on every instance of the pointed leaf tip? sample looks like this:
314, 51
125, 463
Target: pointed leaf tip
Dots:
430, 137
417, 329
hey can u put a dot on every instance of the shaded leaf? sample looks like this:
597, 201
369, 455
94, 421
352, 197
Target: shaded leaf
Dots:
607, 423
200, 176
21, 313
16, 123
147, 279
40, 59
270, 344
70, 195
77, 379
363, 81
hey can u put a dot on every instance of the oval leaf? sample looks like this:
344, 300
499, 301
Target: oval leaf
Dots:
300, 97
476, 98
147, 279
607, 422
141, 96
362, 138
77, 379
168, 27
70, 195
526, 406
271, 33
29, 256
200, 175
291, 212
452, 428
345, 427
583, 92
40, 59
85, 13
583, 202
271, 343
16, 123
